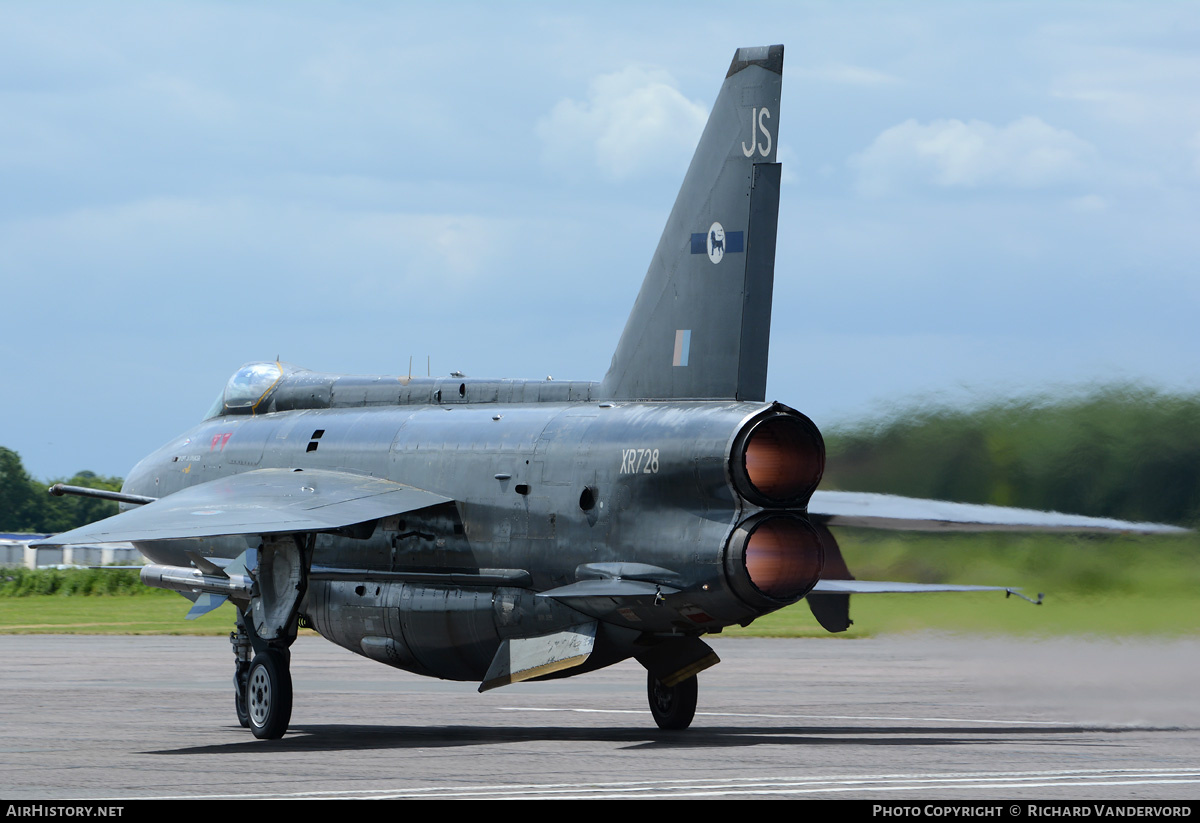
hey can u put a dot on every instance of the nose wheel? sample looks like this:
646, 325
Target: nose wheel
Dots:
673, 707
268, 699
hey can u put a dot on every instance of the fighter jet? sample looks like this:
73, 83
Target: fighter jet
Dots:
504, 530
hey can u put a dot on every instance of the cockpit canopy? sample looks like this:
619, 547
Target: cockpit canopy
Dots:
270, 387
249, 387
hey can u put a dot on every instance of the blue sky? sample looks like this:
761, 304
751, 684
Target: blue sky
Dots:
980, 199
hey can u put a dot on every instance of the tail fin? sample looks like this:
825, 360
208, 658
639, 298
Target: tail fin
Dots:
701, 325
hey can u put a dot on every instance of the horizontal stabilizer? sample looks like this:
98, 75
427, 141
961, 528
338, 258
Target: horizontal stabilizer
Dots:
523, 658
888, 587
887, 511
264, 501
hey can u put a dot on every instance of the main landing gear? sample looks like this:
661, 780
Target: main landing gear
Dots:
262, 686
242, 654
673, 707
262, 679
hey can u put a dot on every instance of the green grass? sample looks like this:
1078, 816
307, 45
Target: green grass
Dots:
1112, 586
1105, 585
158, 612
990, 613
97, 601
22, 582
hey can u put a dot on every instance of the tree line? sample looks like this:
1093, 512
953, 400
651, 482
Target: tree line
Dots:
1125, 452
25, 505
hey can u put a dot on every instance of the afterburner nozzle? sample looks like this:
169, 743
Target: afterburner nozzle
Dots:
777, 460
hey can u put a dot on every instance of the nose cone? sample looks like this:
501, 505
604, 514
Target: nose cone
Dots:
141, 479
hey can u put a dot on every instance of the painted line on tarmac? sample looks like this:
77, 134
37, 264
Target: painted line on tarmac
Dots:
839, 784
811, 716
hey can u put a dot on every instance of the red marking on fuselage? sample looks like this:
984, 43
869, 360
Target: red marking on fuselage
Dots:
220, 438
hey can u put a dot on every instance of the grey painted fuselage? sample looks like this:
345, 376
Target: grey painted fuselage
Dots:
543, 491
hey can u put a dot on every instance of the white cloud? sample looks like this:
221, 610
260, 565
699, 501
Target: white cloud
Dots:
634, 121
1026, 154
253, 245
450, 250
1135, 87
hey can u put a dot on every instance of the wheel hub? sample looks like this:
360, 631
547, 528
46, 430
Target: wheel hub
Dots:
259, 695
663, 697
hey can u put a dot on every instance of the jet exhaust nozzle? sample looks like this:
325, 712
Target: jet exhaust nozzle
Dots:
773, 559
777, 460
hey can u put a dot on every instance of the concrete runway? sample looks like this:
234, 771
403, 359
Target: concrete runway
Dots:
899, 718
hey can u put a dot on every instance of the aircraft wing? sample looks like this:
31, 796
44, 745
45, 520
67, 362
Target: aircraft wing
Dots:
887, 511
263, 501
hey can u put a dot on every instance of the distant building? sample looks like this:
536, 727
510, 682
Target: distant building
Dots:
16, 551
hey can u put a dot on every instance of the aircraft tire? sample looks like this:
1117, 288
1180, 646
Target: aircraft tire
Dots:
673, 707
239, 705
269, 695
240, 670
